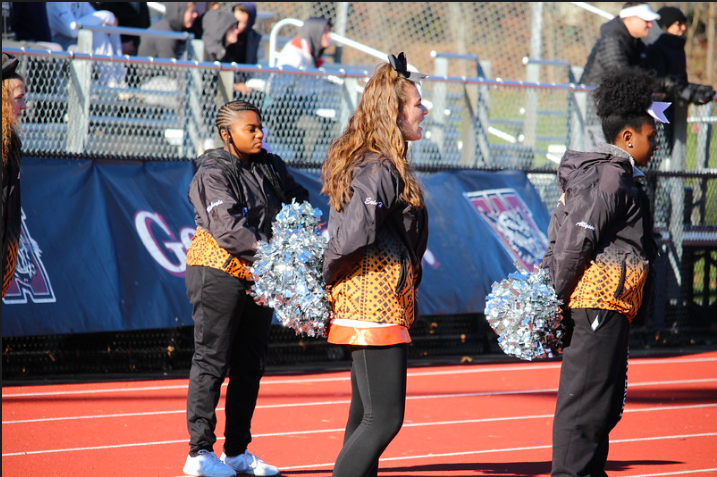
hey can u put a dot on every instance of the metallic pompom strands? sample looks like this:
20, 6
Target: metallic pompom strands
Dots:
287, 272
524, 311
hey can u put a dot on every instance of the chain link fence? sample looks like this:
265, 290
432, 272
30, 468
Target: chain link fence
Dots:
493, 104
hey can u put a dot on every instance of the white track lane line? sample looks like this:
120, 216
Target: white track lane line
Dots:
386, 459
346, 401
414, 424
273, 380
511, 449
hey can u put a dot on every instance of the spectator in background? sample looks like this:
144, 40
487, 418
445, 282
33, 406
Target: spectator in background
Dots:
179, 17
29, 21
128, 14
620, 44
305, 51
229, 37
247, 45
67, 18
13, 104
292, 100
666, 56
202, 9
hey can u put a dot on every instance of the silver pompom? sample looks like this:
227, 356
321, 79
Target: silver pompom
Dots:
287, 271
524, 311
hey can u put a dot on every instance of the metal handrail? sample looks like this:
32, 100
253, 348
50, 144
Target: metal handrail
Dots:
135, 31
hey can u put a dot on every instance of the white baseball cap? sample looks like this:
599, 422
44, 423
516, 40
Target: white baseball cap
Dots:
642, 11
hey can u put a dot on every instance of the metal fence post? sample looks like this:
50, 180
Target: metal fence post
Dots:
78, 100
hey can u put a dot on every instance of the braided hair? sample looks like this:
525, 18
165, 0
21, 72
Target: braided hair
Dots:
226, 113
622, 100
225, 116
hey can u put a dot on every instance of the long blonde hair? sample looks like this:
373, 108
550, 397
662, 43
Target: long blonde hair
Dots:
10, 122
373, 128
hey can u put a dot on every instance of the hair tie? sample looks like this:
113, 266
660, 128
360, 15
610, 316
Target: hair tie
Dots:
657, 111
400, 64
9, 64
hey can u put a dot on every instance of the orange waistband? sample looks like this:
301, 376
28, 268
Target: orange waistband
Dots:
379, 336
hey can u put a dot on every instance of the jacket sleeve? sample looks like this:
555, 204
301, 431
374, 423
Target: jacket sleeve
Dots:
222, 214
574, 233
61, 18
613, 53
374, 196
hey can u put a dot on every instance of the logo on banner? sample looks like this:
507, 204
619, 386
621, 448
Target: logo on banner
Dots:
31, 281
512, 223
166, 248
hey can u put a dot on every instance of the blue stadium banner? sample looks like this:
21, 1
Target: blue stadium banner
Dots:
104, 243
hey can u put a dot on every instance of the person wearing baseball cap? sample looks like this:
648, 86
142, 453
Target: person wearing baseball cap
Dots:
641, 11
620, 44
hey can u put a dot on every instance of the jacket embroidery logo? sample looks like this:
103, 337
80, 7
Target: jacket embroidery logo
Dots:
370, 201
214, 204
585, 225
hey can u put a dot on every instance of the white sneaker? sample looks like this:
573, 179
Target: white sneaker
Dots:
248, 463
207, 464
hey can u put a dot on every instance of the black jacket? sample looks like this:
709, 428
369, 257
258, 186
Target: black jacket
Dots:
11, 211
600, 233
615, 49
666, 57
376, 242
158, 47
375, 208
237, 204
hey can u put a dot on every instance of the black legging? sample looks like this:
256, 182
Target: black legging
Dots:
378, 403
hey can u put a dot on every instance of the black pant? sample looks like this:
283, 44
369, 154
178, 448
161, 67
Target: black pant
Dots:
378, 404
592, 391
231, 338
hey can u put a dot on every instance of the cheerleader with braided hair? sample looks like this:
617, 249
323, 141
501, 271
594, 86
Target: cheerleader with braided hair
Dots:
598, 258
236, 193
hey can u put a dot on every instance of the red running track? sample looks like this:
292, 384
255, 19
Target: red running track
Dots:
478, 419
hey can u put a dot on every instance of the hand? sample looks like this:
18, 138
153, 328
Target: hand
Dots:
242, 88
702, 94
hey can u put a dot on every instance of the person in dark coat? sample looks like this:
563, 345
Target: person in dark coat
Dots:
598, 259
229, 38
236, 192
13, 104
179, 17
620, 44
666, 56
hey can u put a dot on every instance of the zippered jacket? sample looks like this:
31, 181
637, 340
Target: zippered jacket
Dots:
372, 264
600, 233
235, 206
11, 210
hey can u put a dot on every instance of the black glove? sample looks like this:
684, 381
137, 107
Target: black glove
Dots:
701, 93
